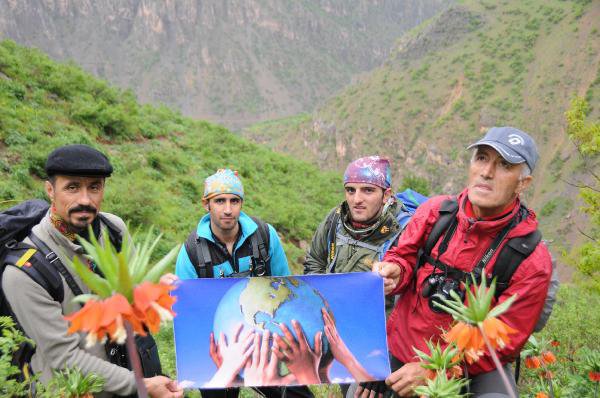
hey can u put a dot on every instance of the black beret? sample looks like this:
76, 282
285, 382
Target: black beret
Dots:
78, 160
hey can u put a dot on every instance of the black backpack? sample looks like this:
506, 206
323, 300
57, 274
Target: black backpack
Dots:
201, 254
509, 258
45, 268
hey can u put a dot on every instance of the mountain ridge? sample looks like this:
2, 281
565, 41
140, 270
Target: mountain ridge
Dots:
230, 62
488, 63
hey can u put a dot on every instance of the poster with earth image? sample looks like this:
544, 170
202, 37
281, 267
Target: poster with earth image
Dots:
271, 331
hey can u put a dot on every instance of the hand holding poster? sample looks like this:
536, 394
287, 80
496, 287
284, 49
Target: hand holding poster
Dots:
280, 330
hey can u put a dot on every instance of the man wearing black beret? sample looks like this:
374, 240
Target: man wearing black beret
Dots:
75, 186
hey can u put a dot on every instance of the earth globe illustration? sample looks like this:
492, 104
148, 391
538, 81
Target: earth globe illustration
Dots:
262, 303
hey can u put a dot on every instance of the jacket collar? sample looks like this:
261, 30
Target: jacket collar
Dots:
247, 226
472, 225
382, 227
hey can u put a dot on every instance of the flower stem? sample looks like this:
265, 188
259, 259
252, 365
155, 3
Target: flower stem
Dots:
499, 366
547, 373
134, 360
596, 390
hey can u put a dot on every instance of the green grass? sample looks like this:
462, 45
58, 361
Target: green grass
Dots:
160, 157
574, 324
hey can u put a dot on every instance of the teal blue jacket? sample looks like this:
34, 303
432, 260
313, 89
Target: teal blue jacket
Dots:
279, 265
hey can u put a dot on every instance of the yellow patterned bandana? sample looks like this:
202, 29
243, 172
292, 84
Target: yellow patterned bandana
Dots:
223, 181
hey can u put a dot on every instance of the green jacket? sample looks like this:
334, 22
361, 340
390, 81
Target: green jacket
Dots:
349, 255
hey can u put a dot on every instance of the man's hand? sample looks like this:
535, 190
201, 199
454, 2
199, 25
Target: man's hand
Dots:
162, 387
168, 279
404, 380
300, 359
391, 274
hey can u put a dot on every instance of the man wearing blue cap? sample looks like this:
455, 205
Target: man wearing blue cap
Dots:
487, 231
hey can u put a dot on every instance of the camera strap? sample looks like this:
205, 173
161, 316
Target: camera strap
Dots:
483, 262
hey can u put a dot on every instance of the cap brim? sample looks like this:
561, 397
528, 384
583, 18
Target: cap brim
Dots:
507, 153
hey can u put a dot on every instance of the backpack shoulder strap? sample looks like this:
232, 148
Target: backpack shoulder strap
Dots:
331, 223
511, 256
53, 261
31, 261
260, 241
114, 234
199, 255
448, 211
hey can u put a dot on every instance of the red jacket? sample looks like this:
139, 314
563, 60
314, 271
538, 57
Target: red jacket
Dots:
412, 322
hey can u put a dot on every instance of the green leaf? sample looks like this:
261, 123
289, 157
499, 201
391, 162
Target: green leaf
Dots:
84, 298
95, 282
154, 273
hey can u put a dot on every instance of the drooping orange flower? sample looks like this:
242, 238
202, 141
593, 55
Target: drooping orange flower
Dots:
467, 338
548, 357
430, 374
541, 395
101, 318
547, 374
554, 343
533, 362
594, 376
152, 304
497, 331
456, 372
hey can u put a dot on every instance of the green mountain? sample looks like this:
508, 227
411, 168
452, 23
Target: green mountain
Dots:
475, 65
234, 62
160, 157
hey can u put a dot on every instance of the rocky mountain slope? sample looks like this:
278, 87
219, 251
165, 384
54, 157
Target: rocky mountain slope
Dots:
478, 64
232, 62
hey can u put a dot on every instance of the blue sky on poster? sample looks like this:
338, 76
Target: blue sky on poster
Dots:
356, 301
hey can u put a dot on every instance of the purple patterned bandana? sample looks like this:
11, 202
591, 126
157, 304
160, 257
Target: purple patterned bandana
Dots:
369, 170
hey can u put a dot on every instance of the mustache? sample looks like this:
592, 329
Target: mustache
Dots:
83, 208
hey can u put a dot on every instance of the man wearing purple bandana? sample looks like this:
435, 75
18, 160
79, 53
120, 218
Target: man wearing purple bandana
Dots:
354, 234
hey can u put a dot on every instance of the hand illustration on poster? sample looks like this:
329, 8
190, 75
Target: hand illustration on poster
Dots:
280, 330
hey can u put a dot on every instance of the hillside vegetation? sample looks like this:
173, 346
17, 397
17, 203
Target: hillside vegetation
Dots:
160, 158
478, 64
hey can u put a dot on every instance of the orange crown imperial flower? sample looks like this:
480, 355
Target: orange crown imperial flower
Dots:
548, 357
477, 318
152, 304
594, 376
102, 318
533, 362
541, 395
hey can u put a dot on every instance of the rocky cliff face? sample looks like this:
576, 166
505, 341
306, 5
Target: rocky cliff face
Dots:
229, 61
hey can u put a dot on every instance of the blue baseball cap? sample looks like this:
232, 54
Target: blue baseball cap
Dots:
514, 145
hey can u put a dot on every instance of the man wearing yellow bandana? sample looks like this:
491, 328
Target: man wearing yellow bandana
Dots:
228, 243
